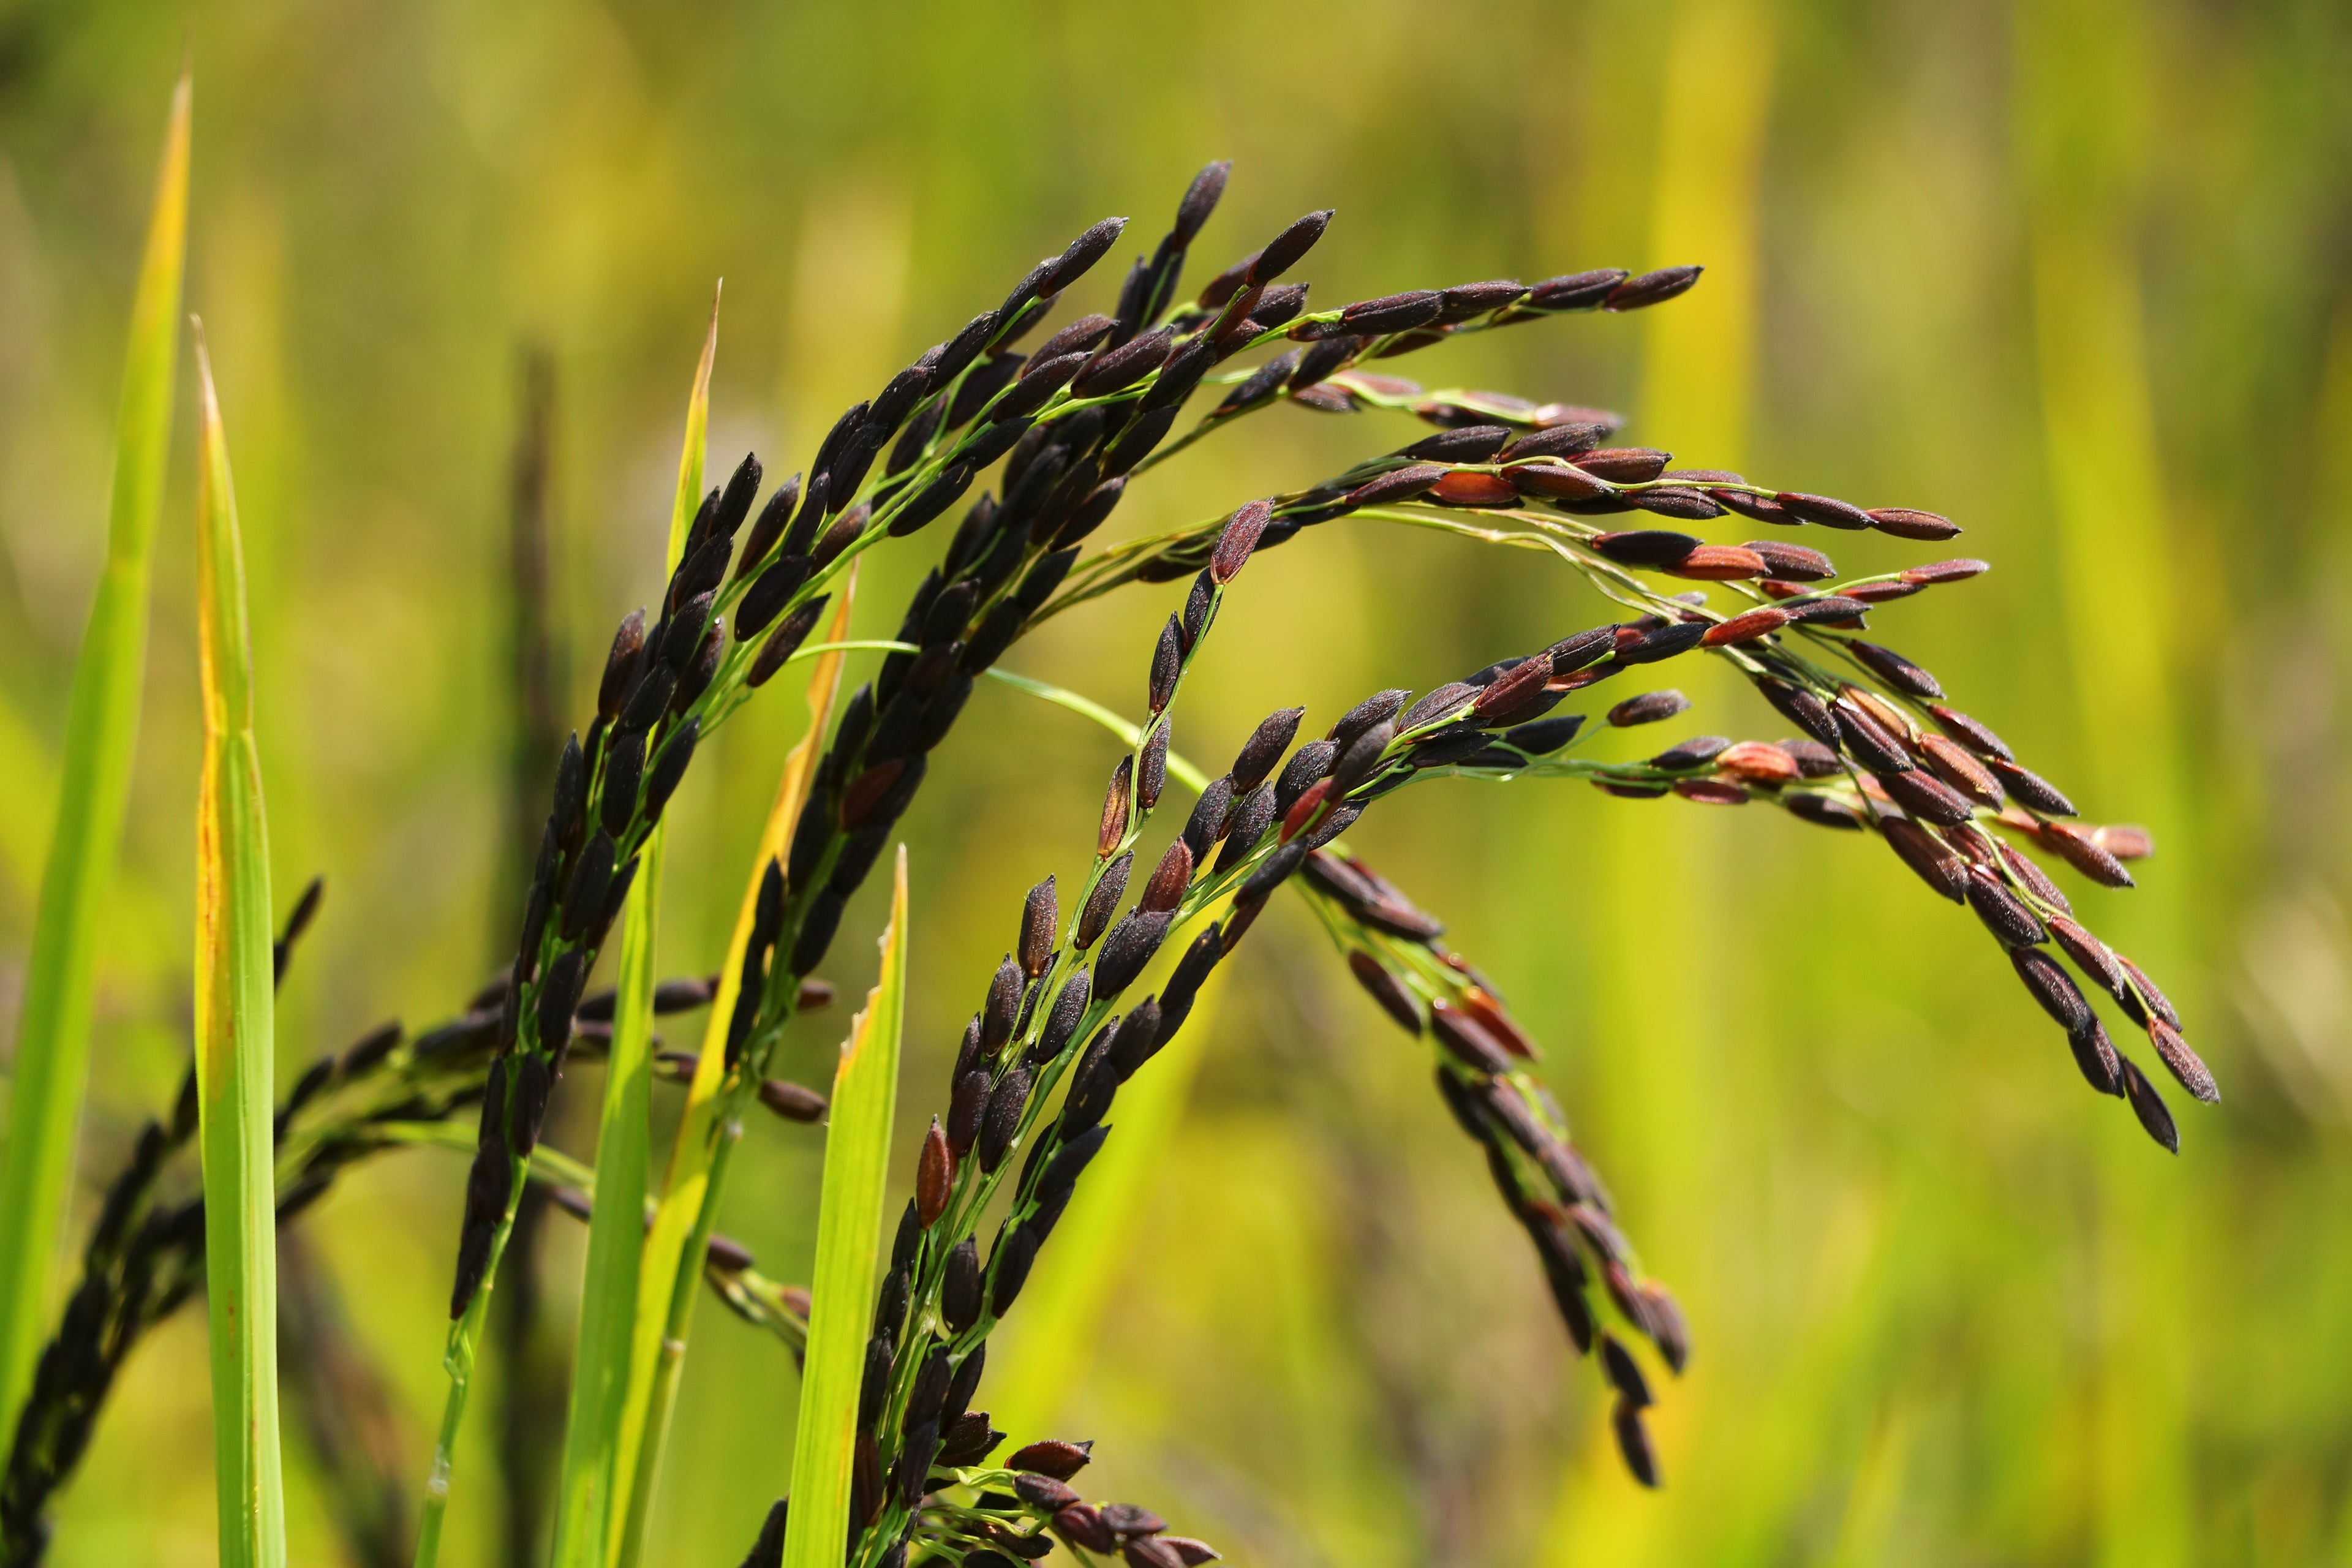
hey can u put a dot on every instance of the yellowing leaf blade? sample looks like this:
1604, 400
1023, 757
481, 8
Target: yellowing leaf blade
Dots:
234, 1041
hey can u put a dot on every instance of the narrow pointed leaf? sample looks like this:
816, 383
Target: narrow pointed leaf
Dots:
848, 1237
234, 1051
102, 736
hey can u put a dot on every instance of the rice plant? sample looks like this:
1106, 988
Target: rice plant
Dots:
1034, 436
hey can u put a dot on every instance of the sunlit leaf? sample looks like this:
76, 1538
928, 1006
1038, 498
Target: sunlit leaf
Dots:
848, 1237
52, 1046
234, 1040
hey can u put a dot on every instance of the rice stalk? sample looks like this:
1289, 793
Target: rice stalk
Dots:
1057, 1038
712, 1126
1882, 751
1393, 949
532, 1393
1071, 1289
591, 1488
941, 1301
1503, 470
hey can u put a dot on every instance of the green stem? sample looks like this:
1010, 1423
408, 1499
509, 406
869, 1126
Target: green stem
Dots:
459, 1363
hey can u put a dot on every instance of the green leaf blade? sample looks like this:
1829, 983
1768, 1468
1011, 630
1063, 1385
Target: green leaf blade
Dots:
102, 739
848, 1240
236, 1046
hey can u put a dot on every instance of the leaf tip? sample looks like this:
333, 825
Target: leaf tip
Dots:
709, 347
207, 398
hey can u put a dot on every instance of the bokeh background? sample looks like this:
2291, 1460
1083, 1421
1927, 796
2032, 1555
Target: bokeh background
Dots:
2073, 271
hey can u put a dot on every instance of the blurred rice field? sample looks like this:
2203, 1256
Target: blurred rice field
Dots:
2076, 272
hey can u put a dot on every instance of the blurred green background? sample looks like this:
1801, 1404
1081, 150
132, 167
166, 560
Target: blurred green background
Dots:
2073, 271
